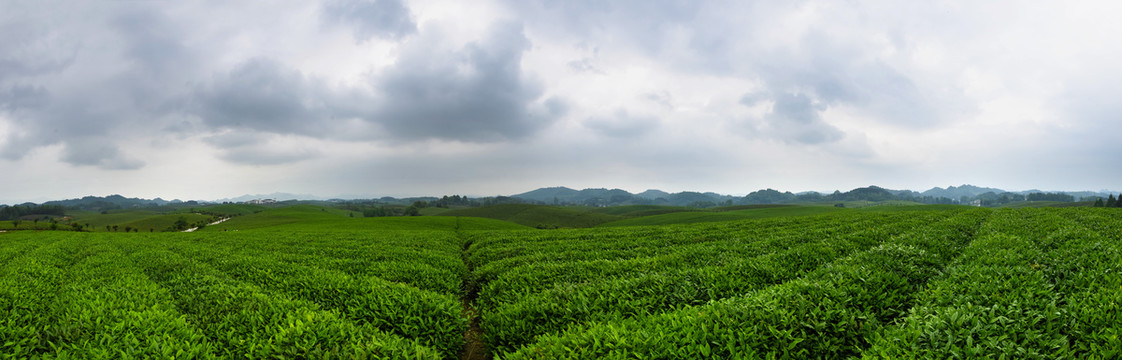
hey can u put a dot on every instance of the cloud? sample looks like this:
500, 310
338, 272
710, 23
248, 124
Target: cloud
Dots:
622, 124
793, 118
478, 93
255, 148
20, 96
28, 48
264, 95
370, 18
98, 152
54, 90
259, 156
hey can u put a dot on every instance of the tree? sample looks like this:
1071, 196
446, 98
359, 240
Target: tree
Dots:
128, 228
1110, 202
181, 223
115, 227
107, 227
15, 223
1099, 203
412, 211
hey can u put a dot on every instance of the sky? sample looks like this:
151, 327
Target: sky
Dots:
357, 98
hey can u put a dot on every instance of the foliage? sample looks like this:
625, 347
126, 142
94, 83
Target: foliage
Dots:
18, 211
311, 282
537, 215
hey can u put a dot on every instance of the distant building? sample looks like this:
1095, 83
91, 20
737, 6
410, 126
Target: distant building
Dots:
261, 201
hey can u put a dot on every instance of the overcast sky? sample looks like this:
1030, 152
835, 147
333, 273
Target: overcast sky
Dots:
213, 99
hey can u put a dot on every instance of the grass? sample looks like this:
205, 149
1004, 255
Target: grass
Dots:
433, 211
232, 209
1040, 204
99, 221
538, 216
160, 222
287, 215
442, 223
641, 210
714, 216
30, 225
318, 218
911, 207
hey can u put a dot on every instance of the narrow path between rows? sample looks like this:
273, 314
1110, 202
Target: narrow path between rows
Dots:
473, 337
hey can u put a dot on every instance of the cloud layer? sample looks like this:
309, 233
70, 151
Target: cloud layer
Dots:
725, 96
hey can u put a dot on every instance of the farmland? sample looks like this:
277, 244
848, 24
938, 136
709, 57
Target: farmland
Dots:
774, 282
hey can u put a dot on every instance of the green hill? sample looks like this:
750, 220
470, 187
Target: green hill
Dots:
319, 218
642, 210
539, 216
714, 216
161, 222
285, 215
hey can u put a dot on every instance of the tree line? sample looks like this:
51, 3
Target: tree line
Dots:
1111, 201
18, 211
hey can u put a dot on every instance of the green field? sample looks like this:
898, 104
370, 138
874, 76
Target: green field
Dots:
881, 282
738, 213
538, 216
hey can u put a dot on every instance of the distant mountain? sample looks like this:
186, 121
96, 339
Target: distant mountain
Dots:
111, 202
616, 197
547, 195
653, 194
958, 192
278, 196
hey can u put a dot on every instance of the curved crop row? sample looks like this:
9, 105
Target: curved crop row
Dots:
432, 319
248, 322
827, 314
510, 284
1053, 290
565, 305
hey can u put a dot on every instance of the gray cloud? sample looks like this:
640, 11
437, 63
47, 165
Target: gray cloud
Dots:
641, 22
154, 43
584, 65
263, 95
662, 98
265, 156
736, 39
369, 18
794, 118
839, 74
20, 96
256, 148
28, 48
478, 93
622, 124
83, 107
98, 152
235, 139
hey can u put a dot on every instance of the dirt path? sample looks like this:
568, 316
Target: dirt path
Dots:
473, 337
213, 223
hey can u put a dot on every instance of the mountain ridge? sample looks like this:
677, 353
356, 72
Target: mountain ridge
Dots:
561, 195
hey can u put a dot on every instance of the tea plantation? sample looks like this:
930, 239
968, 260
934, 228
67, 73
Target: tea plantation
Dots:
939, 283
